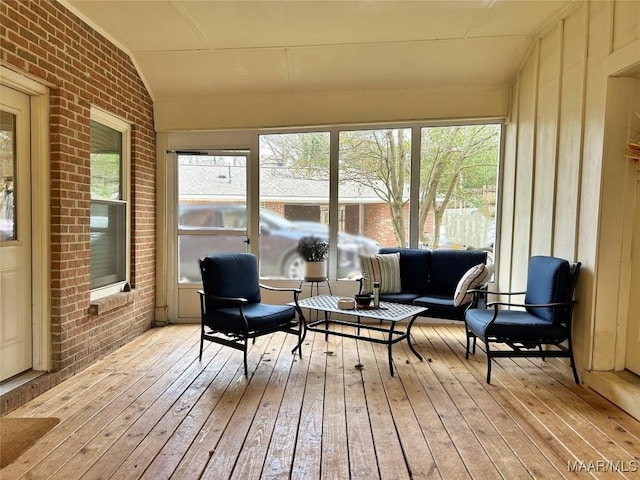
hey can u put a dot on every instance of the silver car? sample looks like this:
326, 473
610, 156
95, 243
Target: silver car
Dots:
279, 237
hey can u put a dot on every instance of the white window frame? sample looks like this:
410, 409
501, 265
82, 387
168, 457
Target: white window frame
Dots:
116, 123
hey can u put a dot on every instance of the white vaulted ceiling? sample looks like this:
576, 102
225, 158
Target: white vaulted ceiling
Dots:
190, 49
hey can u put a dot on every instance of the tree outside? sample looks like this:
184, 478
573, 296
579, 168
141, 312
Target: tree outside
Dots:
458, 171
458, 168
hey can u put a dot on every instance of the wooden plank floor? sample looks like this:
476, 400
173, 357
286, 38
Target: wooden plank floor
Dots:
151, 410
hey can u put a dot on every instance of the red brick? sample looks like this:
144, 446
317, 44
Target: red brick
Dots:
42, 38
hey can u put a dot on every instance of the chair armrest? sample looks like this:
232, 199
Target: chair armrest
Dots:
476, 290
495, 306
238, 300
281, 289
495, 293
532, 305
296, 293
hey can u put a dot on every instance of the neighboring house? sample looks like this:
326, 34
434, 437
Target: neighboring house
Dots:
566, 187
291, 196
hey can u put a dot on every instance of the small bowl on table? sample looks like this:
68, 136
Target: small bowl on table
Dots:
363, 299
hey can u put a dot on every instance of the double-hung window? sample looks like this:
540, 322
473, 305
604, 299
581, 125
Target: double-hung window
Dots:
109, 222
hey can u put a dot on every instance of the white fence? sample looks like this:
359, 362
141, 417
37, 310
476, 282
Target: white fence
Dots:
467, 227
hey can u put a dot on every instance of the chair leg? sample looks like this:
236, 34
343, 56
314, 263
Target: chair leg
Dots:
201, 339
573, 363
246, 370
575, 372
488, 361
466, 355
244, 352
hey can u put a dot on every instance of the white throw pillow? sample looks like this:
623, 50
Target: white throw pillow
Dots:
383, 268
474, 277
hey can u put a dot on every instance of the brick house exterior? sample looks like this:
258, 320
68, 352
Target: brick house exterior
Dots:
47, 43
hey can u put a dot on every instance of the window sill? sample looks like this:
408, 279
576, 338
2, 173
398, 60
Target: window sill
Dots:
111, 302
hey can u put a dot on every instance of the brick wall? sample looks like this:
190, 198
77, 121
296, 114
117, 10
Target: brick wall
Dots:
379, 225
47, 42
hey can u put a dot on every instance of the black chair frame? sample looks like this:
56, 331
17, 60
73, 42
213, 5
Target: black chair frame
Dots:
239, 338
525, 348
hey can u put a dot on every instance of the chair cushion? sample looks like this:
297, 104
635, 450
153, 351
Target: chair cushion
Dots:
259, 316
515, 325
449, 266
473, 278
383, 268
414, 268
548, 281
231, 275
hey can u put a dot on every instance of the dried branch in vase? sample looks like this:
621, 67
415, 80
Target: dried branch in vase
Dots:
313, 249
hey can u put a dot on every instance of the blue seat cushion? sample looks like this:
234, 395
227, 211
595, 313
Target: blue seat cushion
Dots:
230, 275
515, 325
259, 316
548, 281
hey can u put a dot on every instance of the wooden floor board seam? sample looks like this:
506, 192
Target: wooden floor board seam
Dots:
152, 410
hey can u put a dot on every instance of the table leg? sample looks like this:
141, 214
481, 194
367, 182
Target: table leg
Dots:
409, 337
390, 345
326, 326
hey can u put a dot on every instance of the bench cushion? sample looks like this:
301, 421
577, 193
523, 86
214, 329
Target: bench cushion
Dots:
449, 266
429, 278
414, 268
440, 306
406, 298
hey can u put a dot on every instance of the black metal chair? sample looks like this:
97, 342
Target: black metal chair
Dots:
544, 320
231, 306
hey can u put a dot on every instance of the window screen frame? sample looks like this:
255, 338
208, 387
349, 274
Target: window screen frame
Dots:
109, 120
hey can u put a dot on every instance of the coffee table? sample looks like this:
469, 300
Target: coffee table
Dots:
388, 312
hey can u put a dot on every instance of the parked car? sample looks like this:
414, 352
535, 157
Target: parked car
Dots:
279, 238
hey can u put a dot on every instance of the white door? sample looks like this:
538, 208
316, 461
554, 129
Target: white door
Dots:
15, 234
633, 337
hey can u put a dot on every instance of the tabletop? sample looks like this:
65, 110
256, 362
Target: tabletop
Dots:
392, 312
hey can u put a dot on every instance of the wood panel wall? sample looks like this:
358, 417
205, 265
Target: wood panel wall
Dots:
554, 201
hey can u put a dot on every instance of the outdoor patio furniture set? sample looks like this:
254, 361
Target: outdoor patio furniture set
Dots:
449, 284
